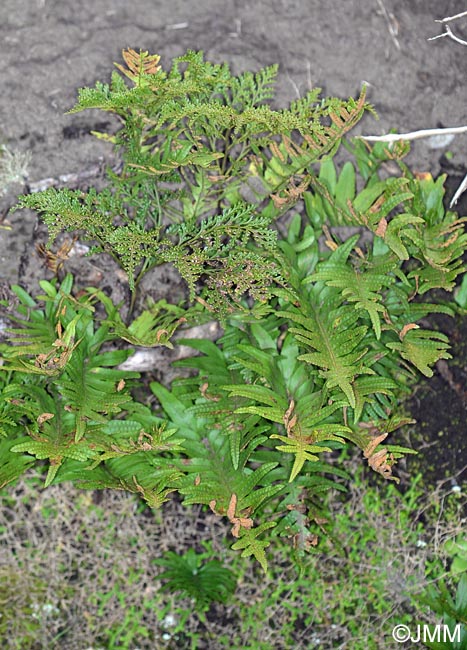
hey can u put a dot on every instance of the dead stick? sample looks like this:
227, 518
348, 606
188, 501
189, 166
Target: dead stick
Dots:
413, 135
448, 31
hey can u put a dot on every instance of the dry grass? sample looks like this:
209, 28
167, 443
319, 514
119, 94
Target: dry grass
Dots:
75, 566
61, 549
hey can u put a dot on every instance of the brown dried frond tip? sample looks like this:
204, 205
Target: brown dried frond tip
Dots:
380, 461
138, 64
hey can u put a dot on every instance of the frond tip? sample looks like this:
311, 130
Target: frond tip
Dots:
251, 545
138, 65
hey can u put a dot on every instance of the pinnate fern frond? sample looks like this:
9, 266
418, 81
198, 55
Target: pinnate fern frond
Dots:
441, 246
290, 158
359, 284
12, 465
336, 341
86, 387
301, 449
422, 348
139, 65
249, 543
205, 582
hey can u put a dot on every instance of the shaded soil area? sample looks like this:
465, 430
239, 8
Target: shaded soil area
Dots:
440, 407
49, 48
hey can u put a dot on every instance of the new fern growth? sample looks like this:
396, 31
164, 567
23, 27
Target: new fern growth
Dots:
205, 582
324, 331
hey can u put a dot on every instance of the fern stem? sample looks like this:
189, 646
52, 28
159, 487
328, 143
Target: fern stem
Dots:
225, 159
147, 266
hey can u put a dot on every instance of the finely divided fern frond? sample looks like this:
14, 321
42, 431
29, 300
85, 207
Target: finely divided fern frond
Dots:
198, 128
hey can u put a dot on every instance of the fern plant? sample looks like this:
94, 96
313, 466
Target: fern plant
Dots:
64, 399
204, 582
325, 329
188, 142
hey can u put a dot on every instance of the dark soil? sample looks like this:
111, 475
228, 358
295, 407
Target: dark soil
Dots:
49, 48
439, 405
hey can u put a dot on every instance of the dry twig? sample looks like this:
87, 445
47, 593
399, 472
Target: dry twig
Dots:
393, 26
424, 133
448, 31
414, 135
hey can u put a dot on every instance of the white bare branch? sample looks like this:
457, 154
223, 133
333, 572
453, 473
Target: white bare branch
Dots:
448, 31
414, 135
450, 18
424, 133
460, 190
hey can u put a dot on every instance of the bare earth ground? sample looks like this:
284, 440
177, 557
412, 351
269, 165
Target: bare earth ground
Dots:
49, 48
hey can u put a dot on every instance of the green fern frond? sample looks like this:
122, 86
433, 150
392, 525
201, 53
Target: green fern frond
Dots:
89, 387
359, 284
73, 210
133, 246
216, 250
55, 452
367, 386
305, 105
291, 158
249, 543
249, 89
396, 229
423, 348
205, 582
154, 490
154, 326
175, 155
336, 340
86, 387
218, 465
159, 440
429, 277
12, 465
441, 246
302, 451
